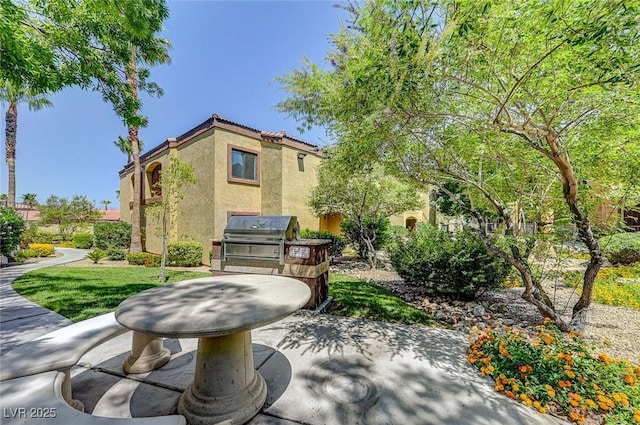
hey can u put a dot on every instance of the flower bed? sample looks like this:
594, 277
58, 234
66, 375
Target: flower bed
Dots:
554, 372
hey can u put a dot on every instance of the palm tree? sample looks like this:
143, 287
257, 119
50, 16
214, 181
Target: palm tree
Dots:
156, 55
106, 203
125, 147
31, 201
13, 95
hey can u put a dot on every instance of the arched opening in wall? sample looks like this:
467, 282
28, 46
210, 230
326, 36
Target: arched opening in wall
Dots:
153, 177
410, 223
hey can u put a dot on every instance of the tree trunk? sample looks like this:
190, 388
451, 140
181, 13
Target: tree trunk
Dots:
583, 224
136, 233
11, 120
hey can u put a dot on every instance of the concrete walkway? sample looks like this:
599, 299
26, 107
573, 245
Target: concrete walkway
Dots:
20, 319
319, 370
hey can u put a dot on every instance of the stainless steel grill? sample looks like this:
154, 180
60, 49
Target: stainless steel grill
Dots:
258, 238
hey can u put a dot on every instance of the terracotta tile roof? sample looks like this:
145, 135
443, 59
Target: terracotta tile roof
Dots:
109, 215
218, 121
25, 211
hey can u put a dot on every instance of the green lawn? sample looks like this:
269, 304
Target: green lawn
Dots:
355, 298
80, 293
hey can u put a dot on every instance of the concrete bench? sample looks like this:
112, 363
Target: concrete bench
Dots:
37, 399
60, 351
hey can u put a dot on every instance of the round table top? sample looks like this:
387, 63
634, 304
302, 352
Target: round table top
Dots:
212, 306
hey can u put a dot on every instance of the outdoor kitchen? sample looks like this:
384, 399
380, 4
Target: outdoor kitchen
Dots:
270, 245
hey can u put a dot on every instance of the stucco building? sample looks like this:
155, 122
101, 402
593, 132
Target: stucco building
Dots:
240, 171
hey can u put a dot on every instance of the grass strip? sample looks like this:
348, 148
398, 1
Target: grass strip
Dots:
79, 293
355, 298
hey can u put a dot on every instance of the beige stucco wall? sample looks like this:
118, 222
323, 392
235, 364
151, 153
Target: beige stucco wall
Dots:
203, 213
424, 214
196, 211
271, 185
299, 178
232, 196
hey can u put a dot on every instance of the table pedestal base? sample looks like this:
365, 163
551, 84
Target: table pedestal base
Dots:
226, 387
147, 354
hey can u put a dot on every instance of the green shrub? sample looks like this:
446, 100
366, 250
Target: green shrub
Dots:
621, 248
184, 253
376, 230
83, 240
33, 235
116, 254
66, 244
23, 254
96, 255
143, 259
460, 267
337, 245
11, 229
42, 249
112, 234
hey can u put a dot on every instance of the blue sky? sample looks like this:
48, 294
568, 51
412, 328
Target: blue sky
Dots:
226, 56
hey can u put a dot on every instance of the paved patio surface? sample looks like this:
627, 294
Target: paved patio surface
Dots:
319, 369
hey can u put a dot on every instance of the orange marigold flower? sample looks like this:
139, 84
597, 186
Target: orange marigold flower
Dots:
574, 403
630, 379
603, 406
537, 404
604, 358
574, 416
564, 384
499, 387
543, 410
510, 394
636, 416
590, 403
570, 374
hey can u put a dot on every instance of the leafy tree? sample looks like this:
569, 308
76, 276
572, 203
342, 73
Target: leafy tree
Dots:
364, 197
104, 45
173, 181
532, 107
69, 216
13, 95
11, 228
50, 45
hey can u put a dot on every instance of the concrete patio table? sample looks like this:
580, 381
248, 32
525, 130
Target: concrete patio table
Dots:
220, 311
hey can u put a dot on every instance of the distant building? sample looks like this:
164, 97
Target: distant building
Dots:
28, 214
109, 215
